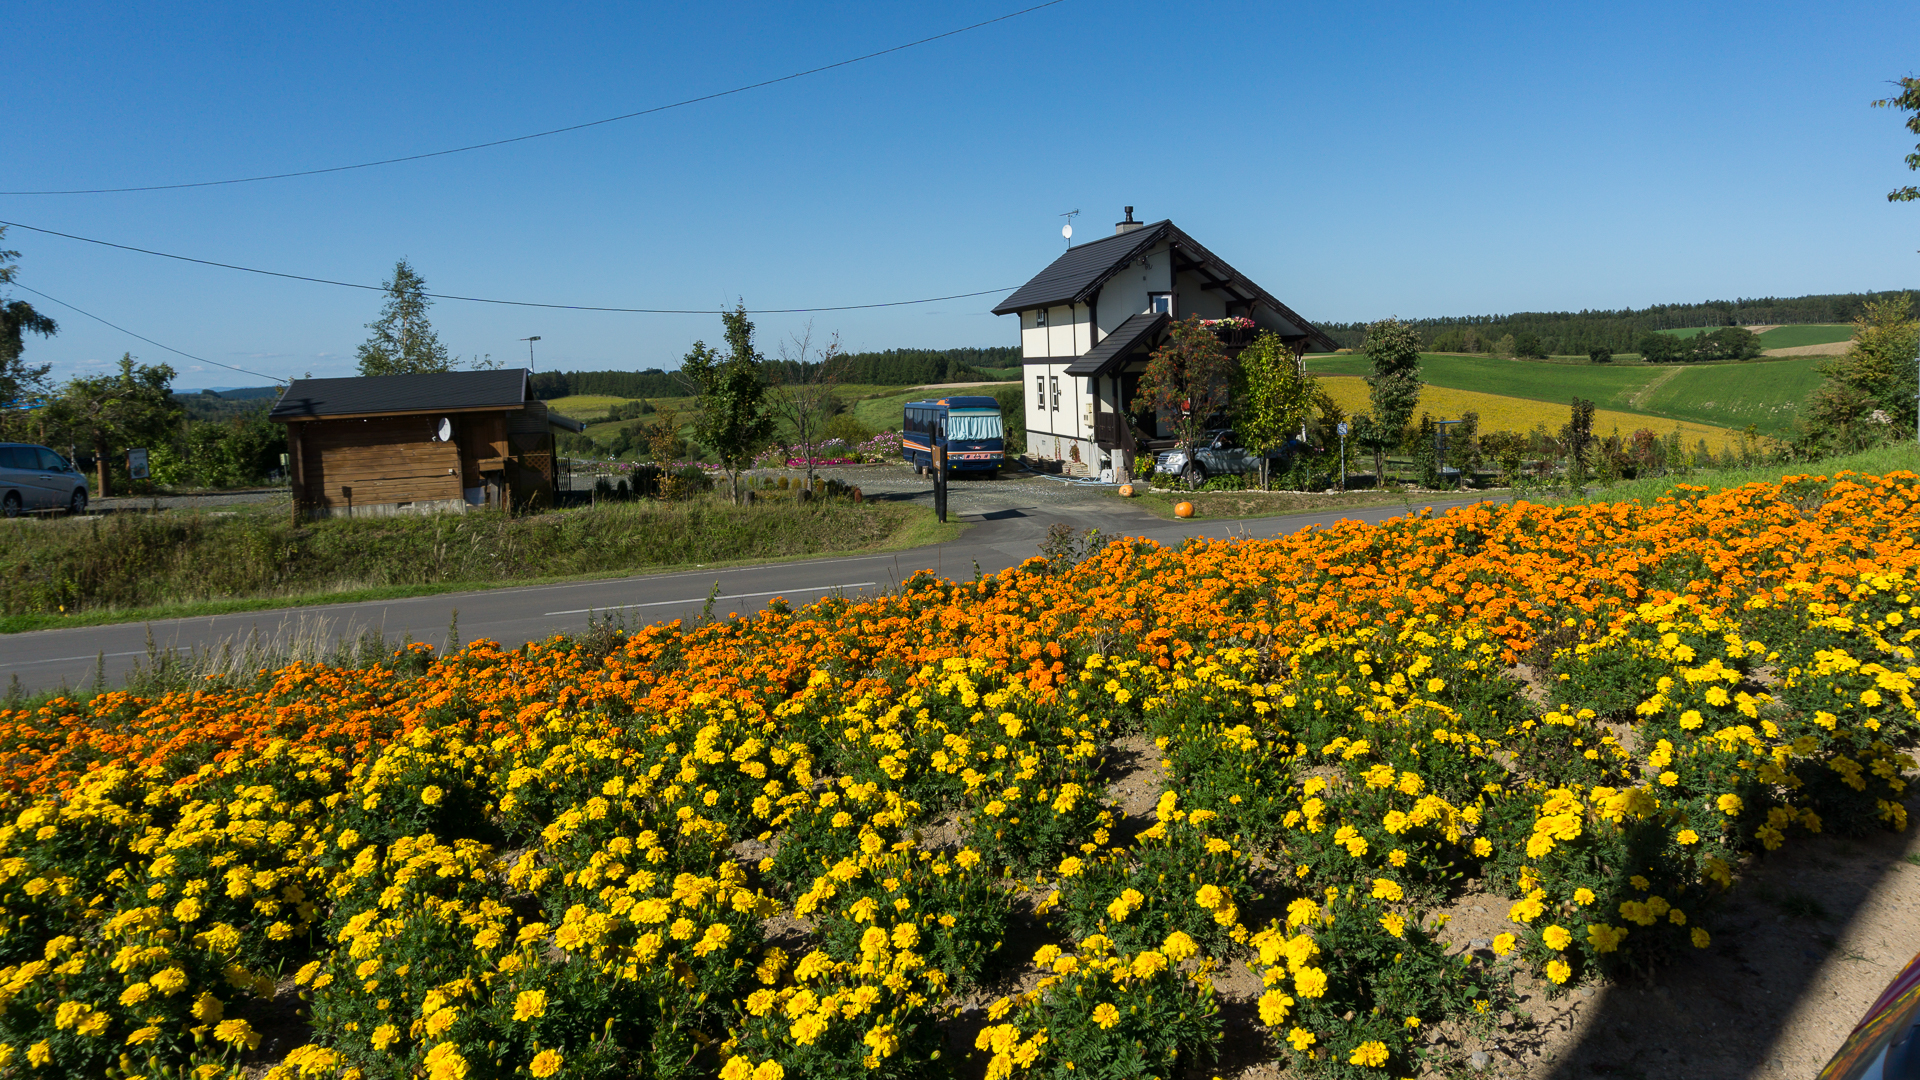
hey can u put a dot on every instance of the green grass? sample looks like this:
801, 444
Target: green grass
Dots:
1764, 393
1876, 462
136, 567
1792, 337
1223, 505
1767, 394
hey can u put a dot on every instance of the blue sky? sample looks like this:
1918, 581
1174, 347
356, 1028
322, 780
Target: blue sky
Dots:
1358, 160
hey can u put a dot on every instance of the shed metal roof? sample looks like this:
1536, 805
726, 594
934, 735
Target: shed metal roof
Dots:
1113, 349
446, 391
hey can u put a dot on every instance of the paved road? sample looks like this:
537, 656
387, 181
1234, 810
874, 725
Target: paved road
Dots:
999, 537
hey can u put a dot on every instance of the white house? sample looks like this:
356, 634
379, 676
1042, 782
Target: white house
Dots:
1090, 319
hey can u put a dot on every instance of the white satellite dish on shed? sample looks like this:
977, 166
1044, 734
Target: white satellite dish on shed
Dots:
444, 433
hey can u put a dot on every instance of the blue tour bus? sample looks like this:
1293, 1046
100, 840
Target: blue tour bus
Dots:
969, 428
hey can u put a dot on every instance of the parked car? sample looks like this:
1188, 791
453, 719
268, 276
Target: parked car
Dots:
1220, 455
35, 478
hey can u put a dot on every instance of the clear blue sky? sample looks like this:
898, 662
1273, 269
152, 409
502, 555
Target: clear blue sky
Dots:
1358, 160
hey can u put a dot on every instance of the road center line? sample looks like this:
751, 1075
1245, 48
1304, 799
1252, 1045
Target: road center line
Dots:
65, 659
702, 599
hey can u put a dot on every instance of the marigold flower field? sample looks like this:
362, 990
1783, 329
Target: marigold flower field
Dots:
790, 845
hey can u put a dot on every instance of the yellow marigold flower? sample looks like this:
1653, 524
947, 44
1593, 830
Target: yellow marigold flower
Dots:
1700, 938
1394, 925
1691, 719
1106, 1015
1557, 938
1605, 938
769, 1070
1397, 857
39, 1054
1208, 897
1372, 1053
1179, 946
1387, 889
1070, 866
736, 1068
1729, 805
528, 1004
1526, 910
1274, 1005
1148, 964
545, 1063
1503, 944
142, 1036
432, 794
1583, 896
1301, 912
883, 1041
1436, 685
237, 1033
1558, 970
188, 910
208, 1008
1310, 982
1301, 1038
1412, 1022
440, 1020
1482, 846
384, 1036
135, 994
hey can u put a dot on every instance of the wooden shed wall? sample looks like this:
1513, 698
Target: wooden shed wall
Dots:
385, 459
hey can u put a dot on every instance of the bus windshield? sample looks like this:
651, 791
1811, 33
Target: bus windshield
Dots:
973, 426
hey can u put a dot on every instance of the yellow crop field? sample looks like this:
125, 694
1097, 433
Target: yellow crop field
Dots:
582, 406
1501, 413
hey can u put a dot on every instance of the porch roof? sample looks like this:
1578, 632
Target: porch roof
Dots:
1113, 350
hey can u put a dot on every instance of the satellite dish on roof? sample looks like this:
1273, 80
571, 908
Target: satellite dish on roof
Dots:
1066, 231
443, 433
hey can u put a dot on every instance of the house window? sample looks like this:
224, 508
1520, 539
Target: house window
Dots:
1056, 392
1160, 303
1040, 317
1040, 391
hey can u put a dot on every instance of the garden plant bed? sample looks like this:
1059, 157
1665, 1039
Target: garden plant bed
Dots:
1359, 802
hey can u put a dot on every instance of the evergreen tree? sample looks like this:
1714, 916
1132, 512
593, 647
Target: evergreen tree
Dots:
17, 319
1393, 386
403, 341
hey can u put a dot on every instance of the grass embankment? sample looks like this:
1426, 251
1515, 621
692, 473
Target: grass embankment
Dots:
1220, 505
1729, 394
1878, 461
133, 567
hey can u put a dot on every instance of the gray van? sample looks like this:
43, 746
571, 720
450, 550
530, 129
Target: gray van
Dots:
35, 478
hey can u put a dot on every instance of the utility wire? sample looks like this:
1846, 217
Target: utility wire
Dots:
553, 131
148, 340
487, 300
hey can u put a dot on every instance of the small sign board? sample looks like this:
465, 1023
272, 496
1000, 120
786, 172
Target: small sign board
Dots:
1343, 429
137, 464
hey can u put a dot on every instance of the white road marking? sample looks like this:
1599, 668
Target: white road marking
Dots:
65, 659
702, 599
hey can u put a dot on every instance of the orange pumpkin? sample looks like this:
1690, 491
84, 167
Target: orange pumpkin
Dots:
1184, 510
1126, 491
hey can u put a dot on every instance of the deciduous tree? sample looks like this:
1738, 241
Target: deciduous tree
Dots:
1275, 397
1907, 100
1188, 378
735, 422
1393, 386
403, 341
109, 413
804, 394
1876, 373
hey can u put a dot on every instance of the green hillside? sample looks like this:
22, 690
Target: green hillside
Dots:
1765, 393
1792, 337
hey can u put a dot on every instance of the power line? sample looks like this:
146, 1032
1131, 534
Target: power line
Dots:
488, 300
552, 131
148, 340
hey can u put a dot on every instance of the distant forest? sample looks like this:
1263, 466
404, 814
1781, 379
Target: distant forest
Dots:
1569, 333
894, 367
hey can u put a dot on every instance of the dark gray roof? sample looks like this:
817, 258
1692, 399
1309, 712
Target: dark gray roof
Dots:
1113, 349
447, 391
1078, 274
1075, 274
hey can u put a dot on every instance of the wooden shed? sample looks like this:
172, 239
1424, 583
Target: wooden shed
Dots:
392, 444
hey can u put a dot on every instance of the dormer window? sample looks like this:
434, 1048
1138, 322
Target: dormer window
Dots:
1040, 317
1160, 303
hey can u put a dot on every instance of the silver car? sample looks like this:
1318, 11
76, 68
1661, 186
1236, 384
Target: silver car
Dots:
35, 478
1221, 454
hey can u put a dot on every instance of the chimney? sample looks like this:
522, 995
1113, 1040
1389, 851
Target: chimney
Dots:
1128, 225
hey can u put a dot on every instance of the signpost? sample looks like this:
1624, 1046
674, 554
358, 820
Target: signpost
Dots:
940, 484
1343, 455
137, 470
1440, 447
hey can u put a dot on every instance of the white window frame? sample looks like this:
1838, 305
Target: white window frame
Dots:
1040, 390
1153, 302
1055, 381
1039, 317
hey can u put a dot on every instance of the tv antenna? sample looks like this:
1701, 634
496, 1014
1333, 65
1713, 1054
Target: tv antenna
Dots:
1066, 230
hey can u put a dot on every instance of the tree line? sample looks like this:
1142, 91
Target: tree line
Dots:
892, 367
1581, 333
